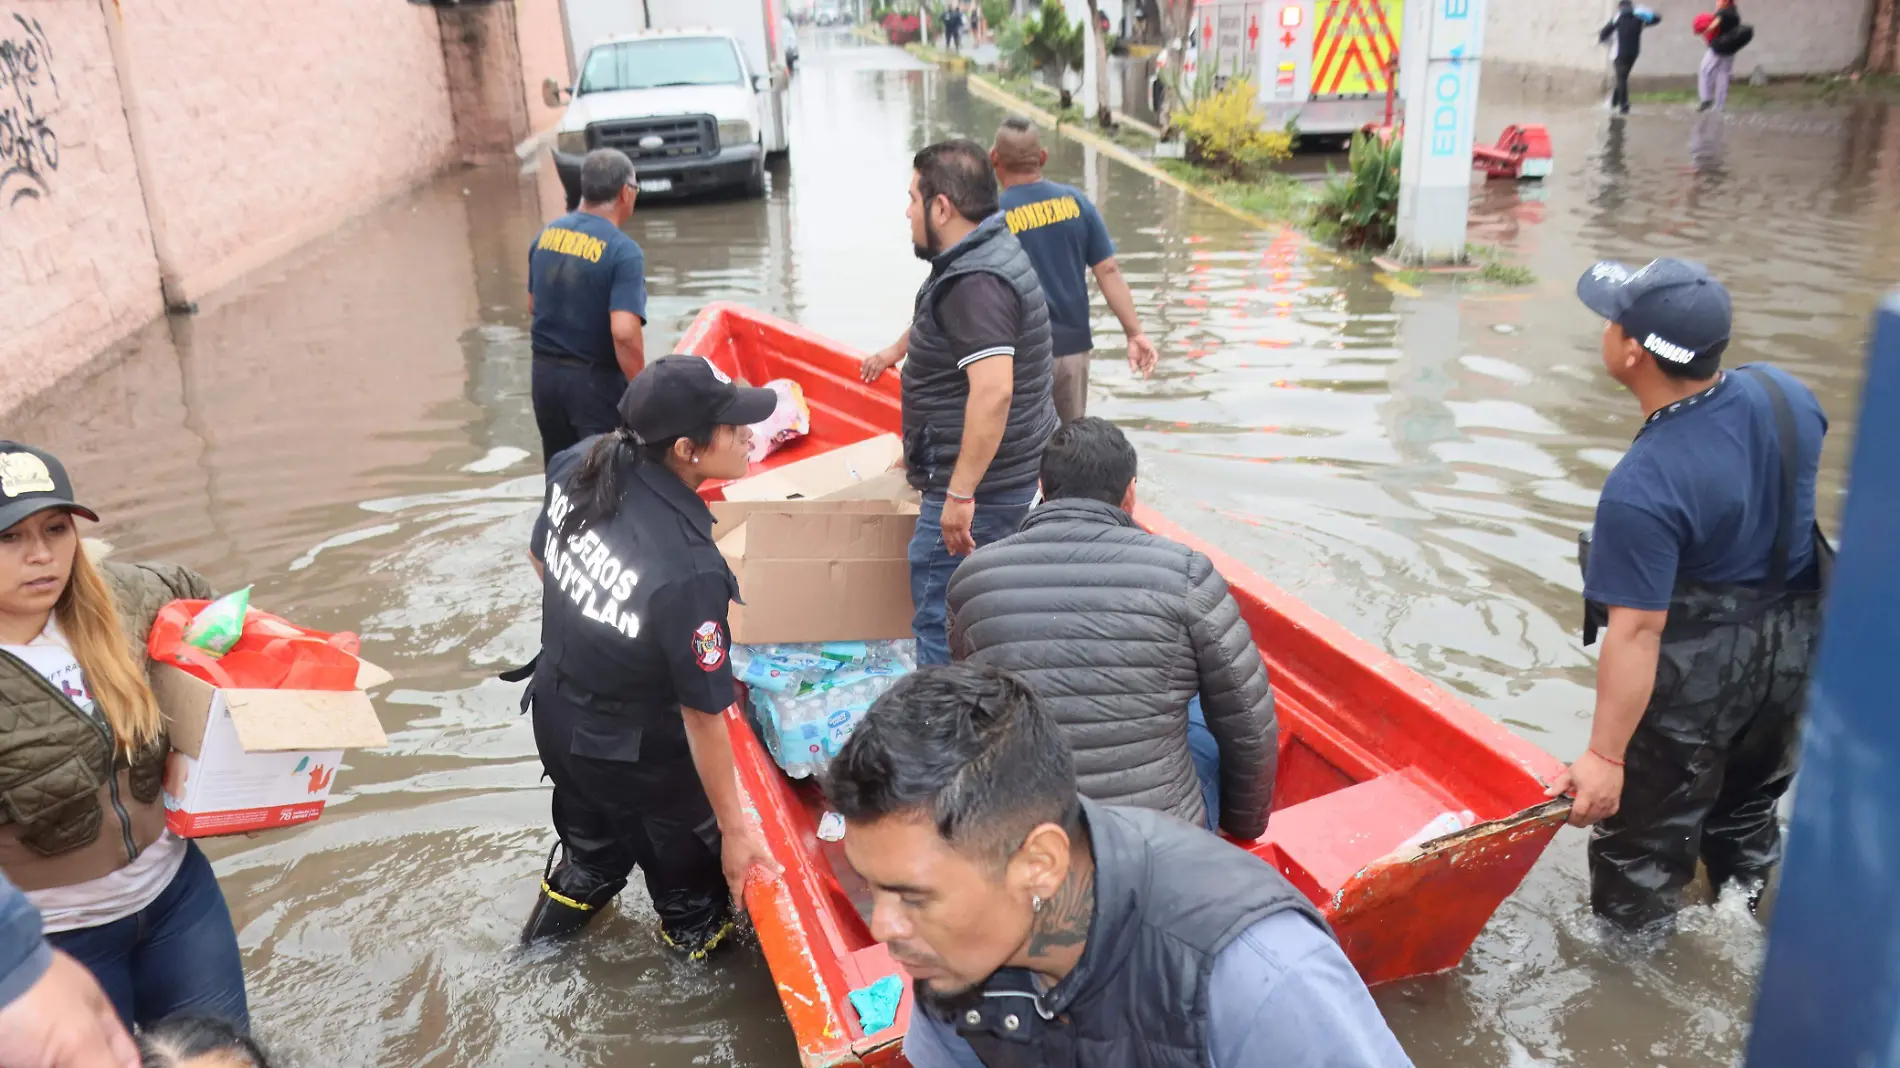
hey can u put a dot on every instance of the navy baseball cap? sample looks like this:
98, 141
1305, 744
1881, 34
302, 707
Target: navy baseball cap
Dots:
32, 481
1675, 309
678, 395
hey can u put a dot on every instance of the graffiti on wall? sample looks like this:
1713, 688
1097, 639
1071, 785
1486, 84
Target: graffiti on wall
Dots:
29, 149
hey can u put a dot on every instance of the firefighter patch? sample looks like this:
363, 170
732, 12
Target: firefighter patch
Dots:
709, 645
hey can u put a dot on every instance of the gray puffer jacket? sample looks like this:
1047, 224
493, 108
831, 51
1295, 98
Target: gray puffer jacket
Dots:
1116, 629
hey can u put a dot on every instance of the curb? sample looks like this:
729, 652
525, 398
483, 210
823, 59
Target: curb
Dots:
996, 94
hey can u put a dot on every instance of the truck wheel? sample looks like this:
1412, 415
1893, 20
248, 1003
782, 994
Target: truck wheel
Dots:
755, 185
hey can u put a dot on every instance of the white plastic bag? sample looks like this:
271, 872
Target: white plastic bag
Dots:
789, 421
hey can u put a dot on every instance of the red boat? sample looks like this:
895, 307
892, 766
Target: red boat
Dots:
1375, 761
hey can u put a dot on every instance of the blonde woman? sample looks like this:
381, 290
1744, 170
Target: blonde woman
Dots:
82, 756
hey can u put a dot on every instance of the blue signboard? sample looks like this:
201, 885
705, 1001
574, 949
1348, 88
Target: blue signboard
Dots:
1830, 992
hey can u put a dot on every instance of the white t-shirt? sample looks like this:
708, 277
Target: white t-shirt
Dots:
131, 888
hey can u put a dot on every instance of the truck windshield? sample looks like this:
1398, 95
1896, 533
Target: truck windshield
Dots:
653, 64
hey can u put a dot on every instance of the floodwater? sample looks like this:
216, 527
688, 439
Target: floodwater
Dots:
350, 430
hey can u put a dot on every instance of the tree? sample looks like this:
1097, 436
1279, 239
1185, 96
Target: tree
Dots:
1053, 45
1178, 23
1103, 117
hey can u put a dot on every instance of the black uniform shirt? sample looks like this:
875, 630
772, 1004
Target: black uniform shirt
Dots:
633, 609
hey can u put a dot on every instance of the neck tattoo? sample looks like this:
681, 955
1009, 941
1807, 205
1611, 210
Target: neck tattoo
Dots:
1063, 924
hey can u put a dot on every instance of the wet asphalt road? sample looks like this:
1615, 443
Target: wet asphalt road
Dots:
350, 429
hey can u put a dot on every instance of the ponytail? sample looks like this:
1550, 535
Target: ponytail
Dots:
595, 487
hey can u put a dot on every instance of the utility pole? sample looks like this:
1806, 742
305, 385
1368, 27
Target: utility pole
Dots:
1438, 77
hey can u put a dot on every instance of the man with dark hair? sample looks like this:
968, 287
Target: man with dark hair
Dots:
1083, 595
1066, 240
1624, 33
953, 28
587, 292
1043, 928
976, 407
1703, 572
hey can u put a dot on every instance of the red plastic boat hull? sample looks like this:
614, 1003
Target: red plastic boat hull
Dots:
1371, 755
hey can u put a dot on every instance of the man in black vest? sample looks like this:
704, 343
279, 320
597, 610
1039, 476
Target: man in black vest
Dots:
977, 380
1703, 572
1041, 928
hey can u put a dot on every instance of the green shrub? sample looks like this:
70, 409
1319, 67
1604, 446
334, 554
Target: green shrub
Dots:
996, 12
1362, 207
1012, 50
1224, 131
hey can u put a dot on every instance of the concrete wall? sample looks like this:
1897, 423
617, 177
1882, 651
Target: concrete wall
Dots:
174, 145
1553, 45
1883, 45
543, 48
483, 59
266, 124
76, 263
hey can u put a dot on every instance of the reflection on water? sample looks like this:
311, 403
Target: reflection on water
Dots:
350, 429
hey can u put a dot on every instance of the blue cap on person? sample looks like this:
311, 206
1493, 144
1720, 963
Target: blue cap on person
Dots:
1674, 309
32, 481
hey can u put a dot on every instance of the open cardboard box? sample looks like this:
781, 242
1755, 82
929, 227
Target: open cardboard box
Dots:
821, 547
865, 469
251, 760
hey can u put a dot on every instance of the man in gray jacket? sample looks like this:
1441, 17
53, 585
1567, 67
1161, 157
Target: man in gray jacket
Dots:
1117, 630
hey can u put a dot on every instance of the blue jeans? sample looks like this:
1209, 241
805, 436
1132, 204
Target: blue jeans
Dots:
998, 516
1206, 753
177, 955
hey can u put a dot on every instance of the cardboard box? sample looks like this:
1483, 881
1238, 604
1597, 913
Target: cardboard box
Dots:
818, 571
821, 476
252, 760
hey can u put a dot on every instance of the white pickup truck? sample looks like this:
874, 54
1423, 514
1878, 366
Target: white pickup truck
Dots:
684, 105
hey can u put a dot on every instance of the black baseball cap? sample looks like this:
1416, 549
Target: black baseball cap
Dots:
1673, 308
31, 481
679, 395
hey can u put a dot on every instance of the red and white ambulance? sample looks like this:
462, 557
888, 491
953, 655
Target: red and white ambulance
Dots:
1325, 65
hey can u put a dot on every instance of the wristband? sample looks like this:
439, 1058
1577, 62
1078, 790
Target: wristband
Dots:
958, 497
1613, 763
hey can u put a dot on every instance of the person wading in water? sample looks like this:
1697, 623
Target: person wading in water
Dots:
1703, 573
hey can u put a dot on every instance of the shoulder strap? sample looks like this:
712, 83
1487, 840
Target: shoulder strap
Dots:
1788, 439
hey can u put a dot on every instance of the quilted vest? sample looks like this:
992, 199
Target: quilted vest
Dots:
1168, 898
936, 389
73, 808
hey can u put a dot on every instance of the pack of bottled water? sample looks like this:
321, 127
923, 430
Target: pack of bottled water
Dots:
807, 698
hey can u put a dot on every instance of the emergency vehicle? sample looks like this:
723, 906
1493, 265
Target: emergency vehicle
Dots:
1325, 65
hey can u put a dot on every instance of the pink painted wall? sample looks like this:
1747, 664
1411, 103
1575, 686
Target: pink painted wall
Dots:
543, 56
76, 264
269, 123
254, 128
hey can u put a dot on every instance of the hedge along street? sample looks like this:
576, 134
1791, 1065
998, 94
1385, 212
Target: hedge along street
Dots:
996, 94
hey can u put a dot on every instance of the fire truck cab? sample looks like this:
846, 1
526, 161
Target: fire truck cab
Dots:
1325, 65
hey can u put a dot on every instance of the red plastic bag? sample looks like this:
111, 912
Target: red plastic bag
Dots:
272, 654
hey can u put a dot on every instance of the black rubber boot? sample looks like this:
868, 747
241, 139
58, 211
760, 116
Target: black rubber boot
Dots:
570, 898
696, 938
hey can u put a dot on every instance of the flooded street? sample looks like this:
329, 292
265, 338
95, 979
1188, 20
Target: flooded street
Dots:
350, 429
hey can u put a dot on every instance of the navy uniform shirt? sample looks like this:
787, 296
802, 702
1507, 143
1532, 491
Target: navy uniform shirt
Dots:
1065, 238
1699, 494
634, 607
580, 270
